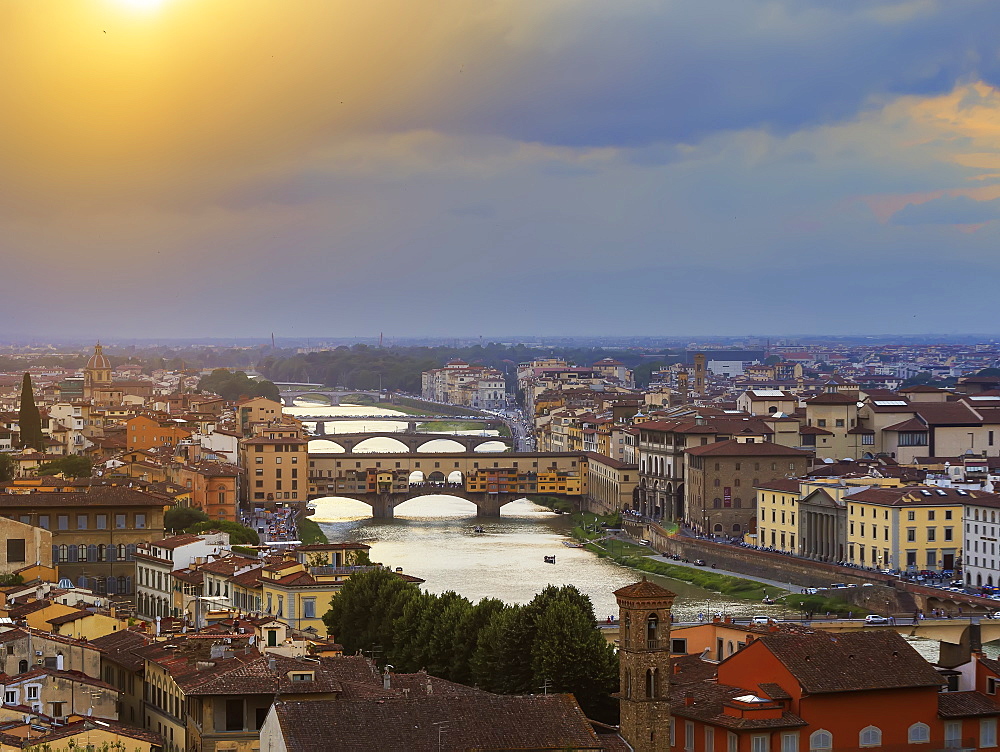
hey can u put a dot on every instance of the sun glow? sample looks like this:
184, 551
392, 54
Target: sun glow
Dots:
140, 5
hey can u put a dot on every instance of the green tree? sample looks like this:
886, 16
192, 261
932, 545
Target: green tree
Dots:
501, 662
181, 518
7, 468
70, 466
467, 636
363, 613
232, 385
29, 419
570, 655
771, 360
237, 532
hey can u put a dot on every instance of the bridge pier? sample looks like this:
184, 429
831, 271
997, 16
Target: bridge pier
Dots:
383, 507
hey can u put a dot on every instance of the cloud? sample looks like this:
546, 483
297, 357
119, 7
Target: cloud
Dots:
948, 210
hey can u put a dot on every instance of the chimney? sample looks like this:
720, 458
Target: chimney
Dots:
688, 699
272, 665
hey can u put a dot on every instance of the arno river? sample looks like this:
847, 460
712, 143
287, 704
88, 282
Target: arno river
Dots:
433, 538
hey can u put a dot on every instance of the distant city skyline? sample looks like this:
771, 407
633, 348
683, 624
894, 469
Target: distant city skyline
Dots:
324, 168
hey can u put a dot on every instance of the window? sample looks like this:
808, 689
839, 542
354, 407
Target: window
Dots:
62, 522
679, 645
820, 740
949, 534
43, 521
709, 737
10, 697
140, 522
870, 736
988, 732
759, 743
952, 733
821, 422
259, 460
911, 515
991, 685
15, 550
308, 608
931, 533
918, 733
840, 422
790, 742
101, 522
732, 743
32, 691
234, 715
120, 521
81, 522
688, 736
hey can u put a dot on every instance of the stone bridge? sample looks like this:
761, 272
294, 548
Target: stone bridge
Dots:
413, 440
288, 396
384, 504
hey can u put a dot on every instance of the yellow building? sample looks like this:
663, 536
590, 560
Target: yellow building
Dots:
276, 463
908, 528
78, 732
776, 510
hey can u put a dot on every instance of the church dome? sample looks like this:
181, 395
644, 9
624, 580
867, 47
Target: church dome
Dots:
98, 361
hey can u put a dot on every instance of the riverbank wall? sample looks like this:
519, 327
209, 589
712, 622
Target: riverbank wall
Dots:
751, 561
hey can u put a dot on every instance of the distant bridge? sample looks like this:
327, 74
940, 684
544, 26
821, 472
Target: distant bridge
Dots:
413, 440
408, 418
289, 395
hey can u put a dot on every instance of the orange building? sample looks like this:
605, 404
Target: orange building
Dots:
786, 692
142, 432
213, 488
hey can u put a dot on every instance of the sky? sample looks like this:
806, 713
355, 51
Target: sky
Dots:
174, 168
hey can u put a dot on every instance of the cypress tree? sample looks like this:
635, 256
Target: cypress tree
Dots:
29, 418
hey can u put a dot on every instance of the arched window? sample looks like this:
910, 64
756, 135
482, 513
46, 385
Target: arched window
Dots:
651, 635
717, 503
918, 732
102, 552
737, 528
628, 683
821, 740
81, 552
716, 483
121, 552
22, 667
718, 527
738, 502
870, 736
628, 622
651, 682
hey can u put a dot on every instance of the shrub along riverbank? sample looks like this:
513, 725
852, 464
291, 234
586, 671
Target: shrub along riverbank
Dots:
589, 528
310, 532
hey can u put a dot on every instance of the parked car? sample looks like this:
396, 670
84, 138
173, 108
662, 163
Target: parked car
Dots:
761, 619
699, 562
876, 619
838, 586
811, 591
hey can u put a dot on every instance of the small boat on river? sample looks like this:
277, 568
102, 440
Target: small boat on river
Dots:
478, 529
571, 544
550, 559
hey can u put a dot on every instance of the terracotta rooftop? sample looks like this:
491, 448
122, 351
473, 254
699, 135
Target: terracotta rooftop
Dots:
485, 722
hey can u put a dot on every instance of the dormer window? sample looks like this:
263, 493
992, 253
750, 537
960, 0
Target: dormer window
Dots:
302, 676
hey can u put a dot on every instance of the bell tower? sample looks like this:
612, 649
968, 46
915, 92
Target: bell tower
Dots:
644, 665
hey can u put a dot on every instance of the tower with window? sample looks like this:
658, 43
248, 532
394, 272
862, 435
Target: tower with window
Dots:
644, 665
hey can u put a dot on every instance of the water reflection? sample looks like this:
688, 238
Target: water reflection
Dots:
433, 537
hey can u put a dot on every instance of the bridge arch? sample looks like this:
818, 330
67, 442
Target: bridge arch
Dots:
491, 445
326, 446
380, 444
441, 445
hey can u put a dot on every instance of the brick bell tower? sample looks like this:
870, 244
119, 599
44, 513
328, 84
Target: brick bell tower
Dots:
644, 665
